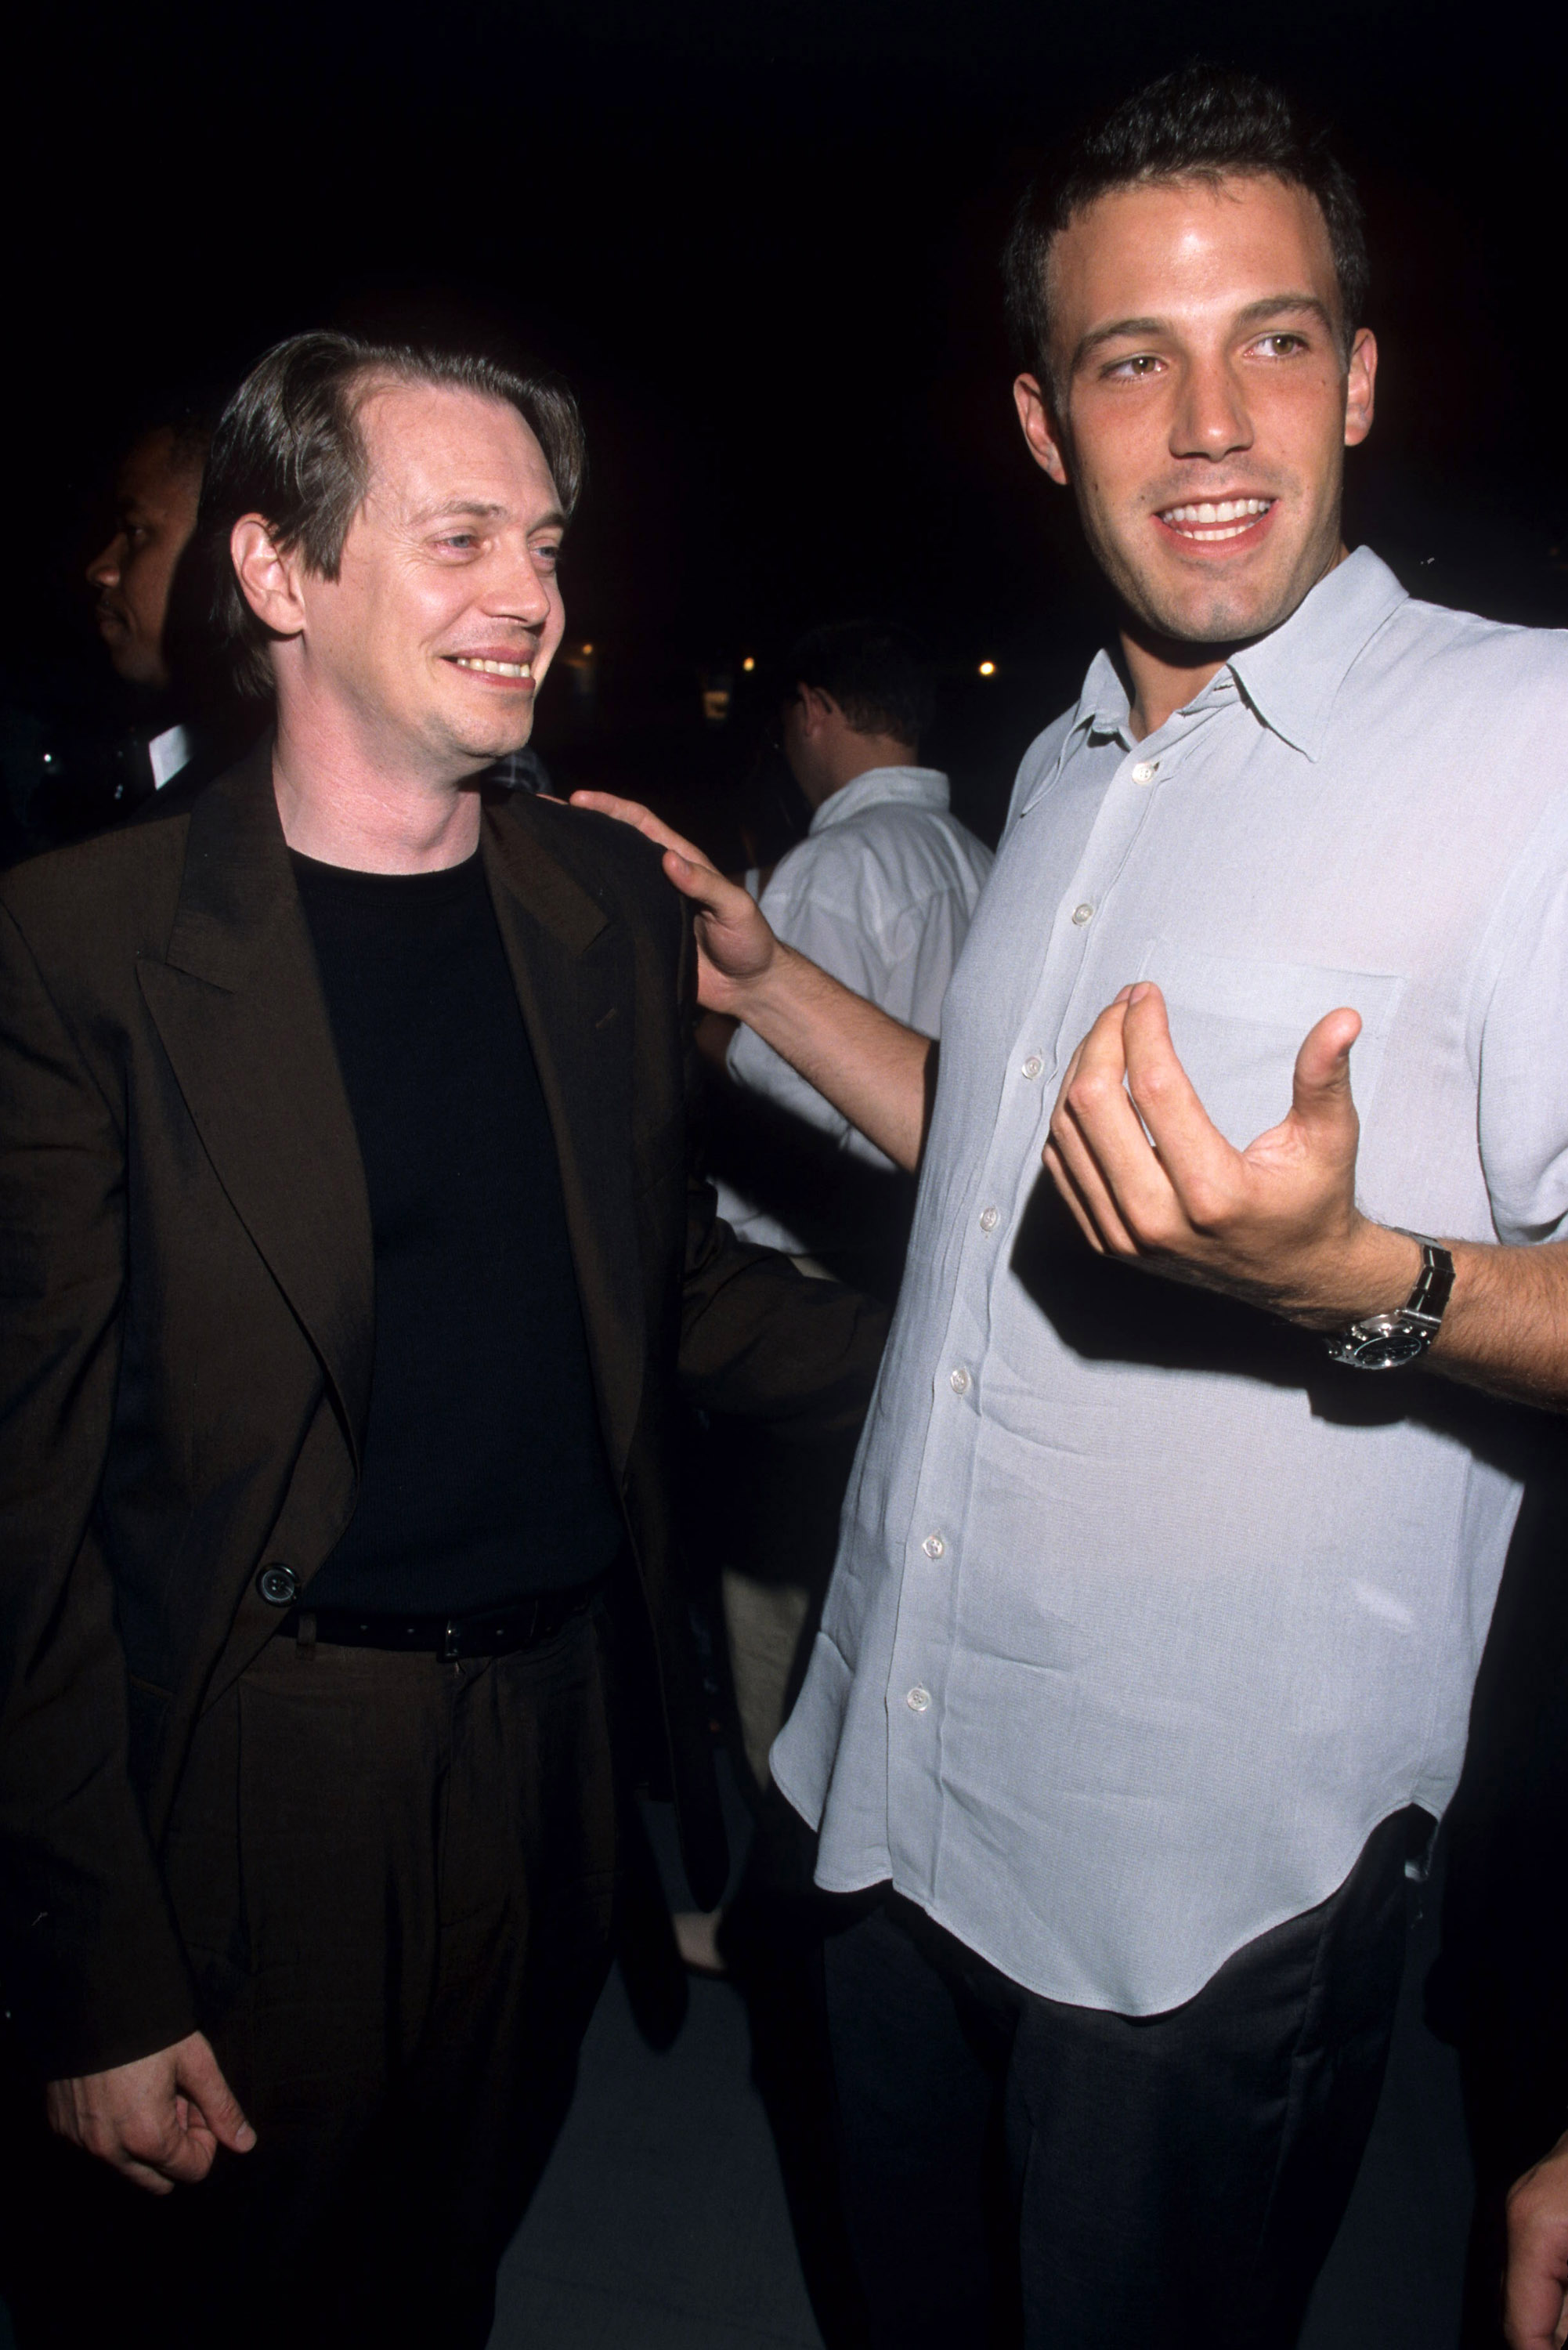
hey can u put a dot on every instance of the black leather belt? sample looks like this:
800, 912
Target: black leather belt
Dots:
493, 1632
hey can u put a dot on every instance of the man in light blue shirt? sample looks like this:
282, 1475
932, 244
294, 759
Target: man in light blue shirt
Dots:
1159, 1600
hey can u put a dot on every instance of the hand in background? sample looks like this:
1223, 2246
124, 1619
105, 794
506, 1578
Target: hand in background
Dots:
159, 2121
1535, 2301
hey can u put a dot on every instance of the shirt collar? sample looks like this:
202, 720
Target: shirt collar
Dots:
924, 787
1292, 676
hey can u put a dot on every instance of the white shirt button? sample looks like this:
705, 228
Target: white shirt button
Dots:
1145, 771
933, 1546
1081, 914
917, 1699
959, 1381
988, 1218
1031, 1066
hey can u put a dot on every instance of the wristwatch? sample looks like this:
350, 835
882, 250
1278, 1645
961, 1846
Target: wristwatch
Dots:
1385, 1342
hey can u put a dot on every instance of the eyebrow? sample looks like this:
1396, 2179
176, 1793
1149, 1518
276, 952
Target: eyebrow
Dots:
483, 510
1256, 314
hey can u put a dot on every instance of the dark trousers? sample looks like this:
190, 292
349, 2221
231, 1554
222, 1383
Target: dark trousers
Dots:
395, 1878
1020, 2171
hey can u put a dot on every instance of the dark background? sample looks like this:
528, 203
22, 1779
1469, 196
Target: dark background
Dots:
761, 242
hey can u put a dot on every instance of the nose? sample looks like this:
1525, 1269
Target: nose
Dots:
522, 593
1210, 419
104, 569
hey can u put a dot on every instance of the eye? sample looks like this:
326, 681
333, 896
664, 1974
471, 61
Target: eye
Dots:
464, 540
547, 555
1137, 369
1282, 346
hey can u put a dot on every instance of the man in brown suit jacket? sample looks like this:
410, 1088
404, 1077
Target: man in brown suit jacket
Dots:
351, 1269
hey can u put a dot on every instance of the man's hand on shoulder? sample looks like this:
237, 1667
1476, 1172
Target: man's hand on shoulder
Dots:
159, 2121
1535, 2311
736, 947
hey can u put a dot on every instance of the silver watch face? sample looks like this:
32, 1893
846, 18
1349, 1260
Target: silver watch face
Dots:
1385, 1350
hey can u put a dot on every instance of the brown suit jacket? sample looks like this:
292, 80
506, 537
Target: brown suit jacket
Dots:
186, 1287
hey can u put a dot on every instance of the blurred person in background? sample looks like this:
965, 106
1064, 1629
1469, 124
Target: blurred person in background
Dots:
146, 592
880, 893
74, 760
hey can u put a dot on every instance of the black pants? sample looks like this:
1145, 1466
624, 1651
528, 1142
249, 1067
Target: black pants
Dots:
395, 1879
1016, 2169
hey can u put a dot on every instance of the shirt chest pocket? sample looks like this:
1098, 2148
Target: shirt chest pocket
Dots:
1237, 1026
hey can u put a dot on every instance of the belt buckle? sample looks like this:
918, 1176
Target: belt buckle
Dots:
449, 1650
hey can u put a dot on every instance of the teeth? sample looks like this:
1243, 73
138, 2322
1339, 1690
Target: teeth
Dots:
494, 667
1200, 521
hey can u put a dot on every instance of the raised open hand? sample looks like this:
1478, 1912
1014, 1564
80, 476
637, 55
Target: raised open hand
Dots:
736, 947
1150, 1178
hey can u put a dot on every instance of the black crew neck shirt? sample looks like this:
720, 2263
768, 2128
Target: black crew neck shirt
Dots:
484, 1471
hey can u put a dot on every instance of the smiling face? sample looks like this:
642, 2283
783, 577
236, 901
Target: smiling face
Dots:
155, 513
1200, 400
427, 650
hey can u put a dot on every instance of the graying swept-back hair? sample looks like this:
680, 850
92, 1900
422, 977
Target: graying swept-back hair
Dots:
289, 446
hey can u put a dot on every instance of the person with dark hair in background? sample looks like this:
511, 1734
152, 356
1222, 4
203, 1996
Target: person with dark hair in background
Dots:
352, 1267
68, 771
1165, 1570
156, 495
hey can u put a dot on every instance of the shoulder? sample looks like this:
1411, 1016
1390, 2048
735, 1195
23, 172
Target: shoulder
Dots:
1464, 652
618, 864
103, 899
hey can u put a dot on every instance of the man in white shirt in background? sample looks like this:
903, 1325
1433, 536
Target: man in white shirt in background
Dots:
880, 893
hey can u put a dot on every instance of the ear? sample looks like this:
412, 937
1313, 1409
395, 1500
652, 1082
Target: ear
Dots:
269, 581
817, 709
1360, 381
1045, 443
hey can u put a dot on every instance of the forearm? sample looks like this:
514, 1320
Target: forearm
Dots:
874, 1070
1506, 1329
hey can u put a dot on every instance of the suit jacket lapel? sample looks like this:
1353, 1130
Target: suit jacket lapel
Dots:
572, 963
239, 1007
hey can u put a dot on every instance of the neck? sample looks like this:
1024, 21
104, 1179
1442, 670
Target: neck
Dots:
342, 804
1163, 673
868, 751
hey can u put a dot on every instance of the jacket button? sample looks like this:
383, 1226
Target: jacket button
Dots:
278, 1586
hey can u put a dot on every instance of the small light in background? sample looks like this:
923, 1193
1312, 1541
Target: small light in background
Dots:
750, 663
988, 668
587, 652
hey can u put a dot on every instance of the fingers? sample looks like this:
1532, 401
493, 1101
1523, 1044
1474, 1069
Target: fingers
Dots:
643, 820
1194, 1157
1538, 2255
159, 2120
1099, 1146
213, 2102
1321, 1095
1056, 1168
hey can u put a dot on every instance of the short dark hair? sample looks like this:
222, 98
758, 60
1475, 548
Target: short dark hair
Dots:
188, 431
1203, 122
876, 672
289, 446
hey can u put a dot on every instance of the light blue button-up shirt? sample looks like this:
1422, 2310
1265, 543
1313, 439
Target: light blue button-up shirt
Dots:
1146, 1614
